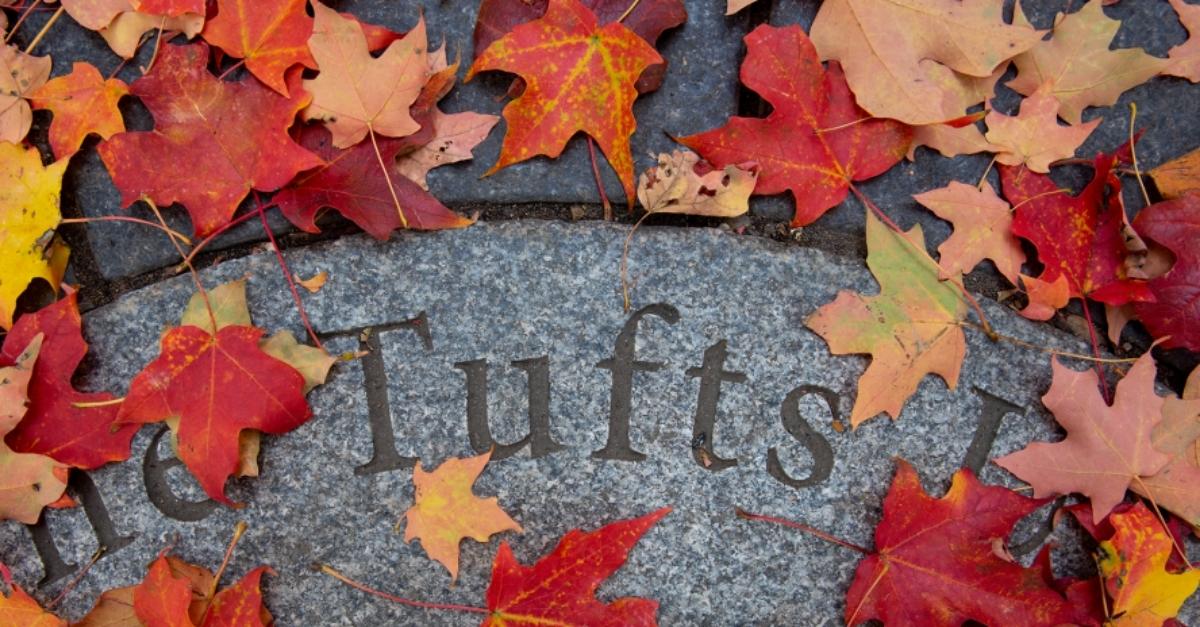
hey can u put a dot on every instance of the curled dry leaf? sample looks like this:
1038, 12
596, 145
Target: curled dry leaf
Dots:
29, 213
982, 230
313, 283
20, 75
1033, 137
680, 183
1077, 66
123, 25
83, 102
882, 46
446, 510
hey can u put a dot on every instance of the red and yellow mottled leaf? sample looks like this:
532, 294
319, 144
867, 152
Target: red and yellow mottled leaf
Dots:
217, 385
935, 562
355, 93
1082, 238
240, 605
1133, 564
28, 481
446, 510
579, 76
83, 102
982, 230
560, 588
648, 19
910, 329
271, 35
815, 142
83, 437
1107, 447
213, 142
1174, 312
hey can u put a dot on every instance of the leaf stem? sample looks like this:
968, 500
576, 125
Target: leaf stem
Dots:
986, 172
1061, 190
90, 404
238, 531
37, 39
230, 69
154, 53
846, 125
212, 317
741, 513
99, 553
21, 20
625, 261
1053, 351
628, 10
387, 177
1092, 339
287, 273
608, 214
225, 227
162, 227
329, 570
1137, 171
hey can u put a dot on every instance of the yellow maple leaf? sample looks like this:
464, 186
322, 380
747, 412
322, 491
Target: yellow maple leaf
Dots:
446, 511
1133, 566
29, 248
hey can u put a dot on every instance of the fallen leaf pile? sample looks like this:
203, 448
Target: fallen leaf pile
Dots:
291, 105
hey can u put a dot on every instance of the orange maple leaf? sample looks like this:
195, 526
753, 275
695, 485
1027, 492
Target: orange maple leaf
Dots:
83, 102
446, 511
271, 36
579, 76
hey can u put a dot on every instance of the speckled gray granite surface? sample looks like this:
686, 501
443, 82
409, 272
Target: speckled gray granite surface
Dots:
519, 290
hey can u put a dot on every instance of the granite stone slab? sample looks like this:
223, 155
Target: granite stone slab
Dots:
525, 317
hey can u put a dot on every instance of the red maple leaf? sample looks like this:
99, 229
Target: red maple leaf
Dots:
815, 142
352, 183
936, 561
560, 588
648, 19
1079, 237
83, 437
271, 35
1175, 311
213, 140
170, 8
217, 385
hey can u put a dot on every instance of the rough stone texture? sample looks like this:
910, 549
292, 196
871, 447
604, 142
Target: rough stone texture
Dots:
518, 290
